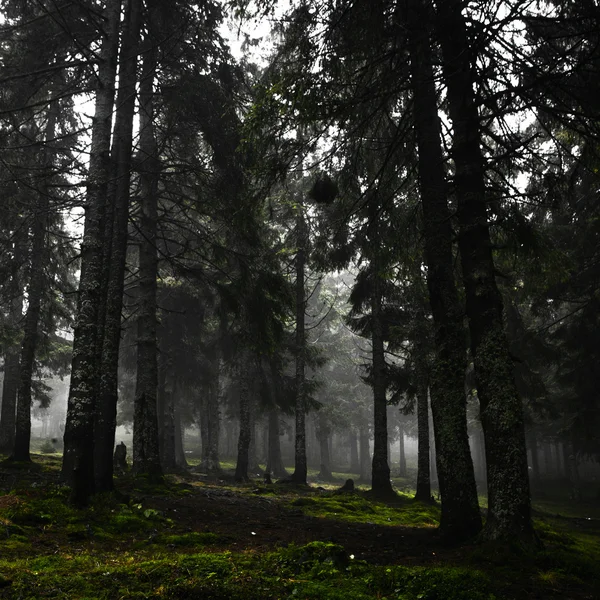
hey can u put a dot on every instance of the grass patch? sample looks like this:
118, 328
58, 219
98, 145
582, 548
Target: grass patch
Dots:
355, 508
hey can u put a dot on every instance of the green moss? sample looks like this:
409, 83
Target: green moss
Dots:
356, 508
190, 539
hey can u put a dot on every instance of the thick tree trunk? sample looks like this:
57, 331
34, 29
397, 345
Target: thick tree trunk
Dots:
78, 457
10, 384
509, 506
323, 432
300, 464
146, 458
275, 463
423, 492
460, 510
572, 468
241, 469
35, 291
380, 472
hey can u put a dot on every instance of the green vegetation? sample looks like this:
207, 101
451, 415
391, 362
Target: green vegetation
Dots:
194, 539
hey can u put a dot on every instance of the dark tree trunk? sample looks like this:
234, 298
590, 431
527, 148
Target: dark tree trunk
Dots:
146, 457
241, 468
460, 510
380, 473
300, 464
354, 460
423, 492
78, 456
509, 505
323, 432
106, 410
10, 384
274, 462
38, 261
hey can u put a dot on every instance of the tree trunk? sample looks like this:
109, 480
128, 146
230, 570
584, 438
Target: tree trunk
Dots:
423, 492
380, 472
35, 291
323, 432
509, 505
241, 468
78, 456
146, 458
10, 384
460, 517
275, 463
300, 464
106, 410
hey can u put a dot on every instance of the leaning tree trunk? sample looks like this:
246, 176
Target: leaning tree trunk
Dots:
380, 472
301, 468
241, 468
35, 291
509, 504
78, 457
146, 456
460, 517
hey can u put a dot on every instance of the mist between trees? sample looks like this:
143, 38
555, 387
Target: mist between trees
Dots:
374, 250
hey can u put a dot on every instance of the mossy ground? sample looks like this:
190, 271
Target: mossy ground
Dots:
201, 538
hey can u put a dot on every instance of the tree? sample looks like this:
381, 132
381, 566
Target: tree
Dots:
509, 513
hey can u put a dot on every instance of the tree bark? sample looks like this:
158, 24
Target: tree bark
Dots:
10, 384
423, 492
212, 464
300, 466
35, 291
509, 506
78, 457
241, 468
380, 471
460, 517
146, 457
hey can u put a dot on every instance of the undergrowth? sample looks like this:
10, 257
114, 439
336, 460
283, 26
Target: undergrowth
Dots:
122, 546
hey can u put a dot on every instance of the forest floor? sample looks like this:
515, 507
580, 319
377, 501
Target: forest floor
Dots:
200, 537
